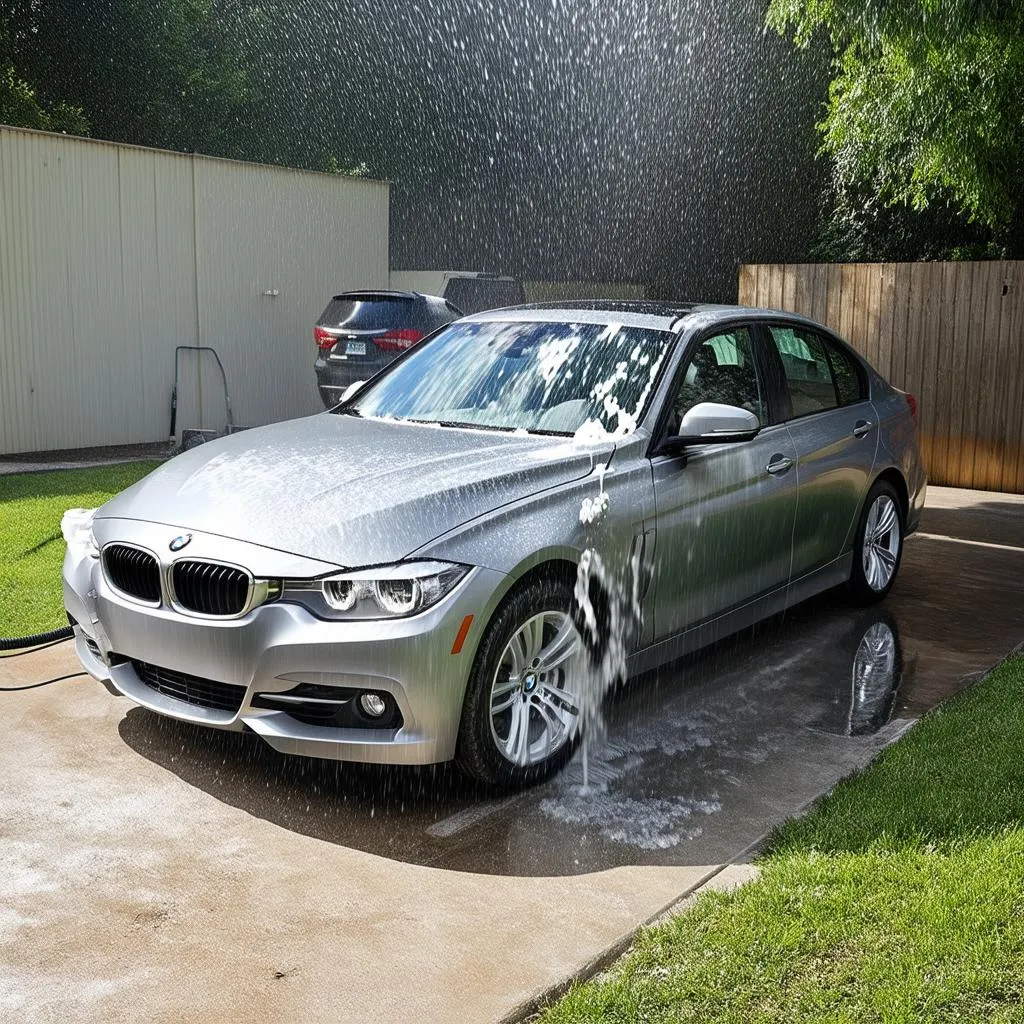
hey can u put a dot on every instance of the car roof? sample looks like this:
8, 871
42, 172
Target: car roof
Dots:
664, 316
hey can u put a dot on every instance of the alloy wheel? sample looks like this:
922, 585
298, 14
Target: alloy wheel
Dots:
533, 711
881, 546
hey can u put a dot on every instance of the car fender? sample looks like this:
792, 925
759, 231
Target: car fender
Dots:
549, 528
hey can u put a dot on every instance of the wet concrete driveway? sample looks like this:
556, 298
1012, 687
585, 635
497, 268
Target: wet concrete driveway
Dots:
698, 759
137, 847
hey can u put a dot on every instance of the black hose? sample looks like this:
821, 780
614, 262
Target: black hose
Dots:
16, 643
45, 682
32, 650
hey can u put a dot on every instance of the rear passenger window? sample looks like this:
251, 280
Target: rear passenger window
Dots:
807, 369
848, 375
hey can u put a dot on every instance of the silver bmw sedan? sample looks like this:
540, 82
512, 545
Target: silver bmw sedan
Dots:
528, 501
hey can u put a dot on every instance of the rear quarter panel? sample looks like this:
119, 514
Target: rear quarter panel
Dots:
898, 446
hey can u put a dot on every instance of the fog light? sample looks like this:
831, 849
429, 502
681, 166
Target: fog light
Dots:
373, 704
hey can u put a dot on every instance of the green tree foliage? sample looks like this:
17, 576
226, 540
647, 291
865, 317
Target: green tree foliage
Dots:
232, 78
163, 73
19, 104
925, 111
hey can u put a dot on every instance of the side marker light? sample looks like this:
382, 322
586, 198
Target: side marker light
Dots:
460, 638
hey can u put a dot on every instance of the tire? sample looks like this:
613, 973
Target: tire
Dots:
877, 552
489, 729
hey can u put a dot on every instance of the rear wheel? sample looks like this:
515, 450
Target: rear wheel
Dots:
878, 546
521, 714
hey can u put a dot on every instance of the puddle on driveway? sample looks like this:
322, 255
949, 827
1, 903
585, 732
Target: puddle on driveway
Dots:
699, 759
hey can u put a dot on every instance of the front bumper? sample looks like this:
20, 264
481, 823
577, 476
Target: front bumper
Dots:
278, 646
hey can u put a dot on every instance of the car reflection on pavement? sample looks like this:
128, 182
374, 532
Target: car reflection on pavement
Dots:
863, 702
763, 722
695, 763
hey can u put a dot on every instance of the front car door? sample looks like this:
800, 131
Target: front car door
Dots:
826, 405
725, 512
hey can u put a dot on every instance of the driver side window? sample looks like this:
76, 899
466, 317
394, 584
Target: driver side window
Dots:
721, 370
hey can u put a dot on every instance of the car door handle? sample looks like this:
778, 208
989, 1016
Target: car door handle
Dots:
862, 427
779, 464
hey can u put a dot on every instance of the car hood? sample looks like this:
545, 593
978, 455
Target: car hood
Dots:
346, 490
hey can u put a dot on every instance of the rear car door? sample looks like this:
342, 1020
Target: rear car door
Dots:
725, 512
825, 402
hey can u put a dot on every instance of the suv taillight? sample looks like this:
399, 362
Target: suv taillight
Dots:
324, 339
396, 341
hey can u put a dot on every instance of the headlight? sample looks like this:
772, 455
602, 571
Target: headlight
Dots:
391, 591
76, 528
340, 594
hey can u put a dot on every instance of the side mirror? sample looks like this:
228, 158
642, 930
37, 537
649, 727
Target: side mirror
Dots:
351, 389
714, 423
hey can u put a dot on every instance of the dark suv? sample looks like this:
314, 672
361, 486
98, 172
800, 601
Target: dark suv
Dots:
359, 333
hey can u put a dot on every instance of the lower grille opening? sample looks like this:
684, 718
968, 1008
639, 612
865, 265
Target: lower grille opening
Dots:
202, 693
334, 707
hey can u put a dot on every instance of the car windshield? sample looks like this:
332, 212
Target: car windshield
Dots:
588, 380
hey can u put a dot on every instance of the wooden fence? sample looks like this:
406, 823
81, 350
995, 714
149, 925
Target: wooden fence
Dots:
952, 334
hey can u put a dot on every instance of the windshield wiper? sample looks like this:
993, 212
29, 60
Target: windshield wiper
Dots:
475, 426
459, 424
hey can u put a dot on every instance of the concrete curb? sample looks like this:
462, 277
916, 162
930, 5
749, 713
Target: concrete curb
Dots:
731, 874
84, 458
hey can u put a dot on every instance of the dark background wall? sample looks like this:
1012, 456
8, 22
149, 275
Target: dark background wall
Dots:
661, 142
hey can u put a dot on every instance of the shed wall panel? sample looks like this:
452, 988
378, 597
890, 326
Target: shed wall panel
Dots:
111, 256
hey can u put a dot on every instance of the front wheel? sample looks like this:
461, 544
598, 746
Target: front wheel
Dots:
878, 545
520, 720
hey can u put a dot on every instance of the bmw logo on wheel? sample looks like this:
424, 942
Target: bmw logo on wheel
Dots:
179, 542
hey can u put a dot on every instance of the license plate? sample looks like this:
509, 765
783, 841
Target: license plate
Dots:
355, 348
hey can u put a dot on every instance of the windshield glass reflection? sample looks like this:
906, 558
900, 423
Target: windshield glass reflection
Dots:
550, 378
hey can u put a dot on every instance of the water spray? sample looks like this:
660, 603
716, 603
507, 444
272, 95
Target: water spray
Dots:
606, 614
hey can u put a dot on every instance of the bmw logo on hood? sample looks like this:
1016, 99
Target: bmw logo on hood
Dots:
179, 542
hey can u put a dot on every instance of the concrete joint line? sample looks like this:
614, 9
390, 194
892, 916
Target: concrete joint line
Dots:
964, 540
461, 820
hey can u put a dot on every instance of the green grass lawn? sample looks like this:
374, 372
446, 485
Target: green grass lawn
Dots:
31, 547
899, 898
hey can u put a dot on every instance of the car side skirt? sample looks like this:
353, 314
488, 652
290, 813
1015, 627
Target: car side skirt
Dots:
707, 632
